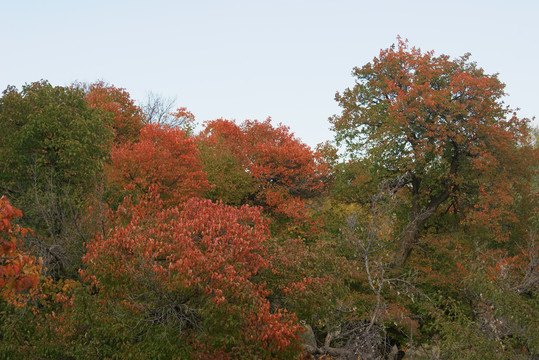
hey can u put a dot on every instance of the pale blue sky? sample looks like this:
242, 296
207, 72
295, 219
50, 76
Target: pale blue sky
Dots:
253, 59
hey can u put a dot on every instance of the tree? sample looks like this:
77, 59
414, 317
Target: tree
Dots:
53, 147
157, 109
191, 269
19, 272
438, 128
164, 157
46, 127
259, 164
126, 117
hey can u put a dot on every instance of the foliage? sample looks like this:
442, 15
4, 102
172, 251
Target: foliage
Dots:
126, 117
438, 127
259, 164
53, 147
490, 319
19, 272
81, 327
307, 279
419, 241
49, 128
163, 157
189, 268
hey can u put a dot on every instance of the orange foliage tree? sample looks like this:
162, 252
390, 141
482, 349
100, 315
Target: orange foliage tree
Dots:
193, 266
19, 272
164, 157
127, 117
438, 130
263, 165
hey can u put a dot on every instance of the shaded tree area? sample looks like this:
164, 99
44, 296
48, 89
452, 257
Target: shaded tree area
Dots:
125, 234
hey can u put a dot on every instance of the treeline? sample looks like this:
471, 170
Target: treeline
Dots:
126, 234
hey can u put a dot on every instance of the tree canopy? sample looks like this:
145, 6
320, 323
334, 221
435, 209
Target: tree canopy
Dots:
437, 129
127, 232
266, 164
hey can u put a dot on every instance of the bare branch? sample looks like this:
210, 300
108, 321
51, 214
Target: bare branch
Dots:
158, 109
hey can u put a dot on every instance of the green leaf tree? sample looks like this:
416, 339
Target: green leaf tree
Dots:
53, 146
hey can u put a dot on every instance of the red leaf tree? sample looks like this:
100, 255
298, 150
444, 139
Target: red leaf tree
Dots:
164, 157
198, 261
127, 118
266, 165
19, 272
436, 129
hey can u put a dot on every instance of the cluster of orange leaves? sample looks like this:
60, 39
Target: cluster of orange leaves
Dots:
198, 247
19, 272
127, 117
285, 170
164, 157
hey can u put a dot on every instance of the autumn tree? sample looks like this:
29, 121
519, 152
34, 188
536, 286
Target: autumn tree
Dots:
164, 157
191, 269
126, 118
19, 272
261, 164
438, 129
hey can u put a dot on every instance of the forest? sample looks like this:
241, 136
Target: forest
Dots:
131, 231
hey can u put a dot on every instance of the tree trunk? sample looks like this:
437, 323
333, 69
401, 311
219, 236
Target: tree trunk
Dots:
411, 232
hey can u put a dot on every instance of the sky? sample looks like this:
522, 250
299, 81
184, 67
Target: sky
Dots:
253, 59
